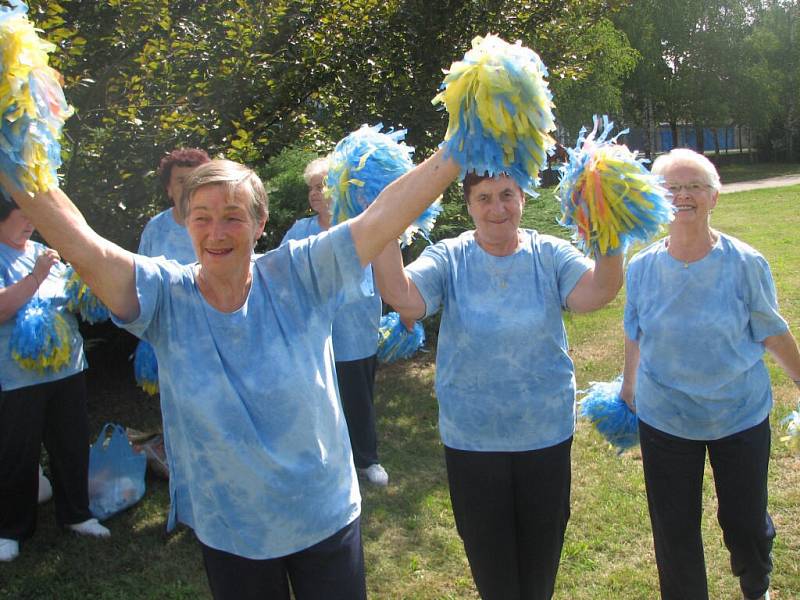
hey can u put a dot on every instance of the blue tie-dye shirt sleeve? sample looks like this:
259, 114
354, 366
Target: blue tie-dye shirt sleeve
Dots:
429, 275
762, 300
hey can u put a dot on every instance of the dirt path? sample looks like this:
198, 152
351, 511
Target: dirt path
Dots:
743, 186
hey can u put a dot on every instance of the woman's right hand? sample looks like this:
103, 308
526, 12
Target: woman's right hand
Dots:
626, 393
44, 262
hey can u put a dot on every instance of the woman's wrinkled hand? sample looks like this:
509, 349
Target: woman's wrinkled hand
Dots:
44, 262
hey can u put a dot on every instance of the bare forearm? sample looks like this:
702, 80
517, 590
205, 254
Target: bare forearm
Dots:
783, 349
14, 297
598, 287
629, 371
395, 286
399, 204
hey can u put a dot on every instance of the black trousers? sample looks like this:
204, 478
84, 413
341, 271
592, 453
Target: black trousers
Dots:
673, 472
53, 413
356, 389
511, 510
333, 569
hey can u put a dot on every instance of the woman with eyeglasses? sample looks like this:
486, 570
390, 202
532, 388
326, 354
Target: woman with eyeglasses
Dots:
701, 309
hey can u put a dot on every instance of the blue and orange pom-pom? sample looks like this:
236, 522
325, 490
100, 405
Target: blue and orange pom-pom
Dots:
395, 342
608, 197
500, 111
32, 104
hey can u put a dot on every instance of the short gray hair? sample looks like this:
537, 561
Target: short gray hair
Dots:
232, 176
686, 157
318, 166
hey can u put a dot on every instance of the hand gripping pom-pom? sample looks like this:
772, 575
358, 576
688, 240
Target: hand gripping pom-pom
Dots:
362, 165
41, 338
500, 111
607, 411
792, 424
608, 198
32, 103
81, 300
145, 368
395, 341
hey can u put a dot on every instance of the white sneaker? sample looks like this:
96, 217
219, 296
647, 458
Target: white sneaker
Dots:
9, 550
375, 474
45, 489
764, 597
90, 527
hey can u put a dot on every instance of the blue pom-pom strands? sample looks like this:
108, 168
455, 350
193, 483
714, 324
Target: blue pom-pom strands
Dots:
501, 111
395, 342
609, 414
792, 424
608, 198
32, 103
145, 368
362, 165
40, 340
81, 300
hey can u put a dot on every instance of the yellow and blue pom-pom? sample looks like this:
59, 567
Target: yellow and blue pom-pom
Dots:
608, 197
145, 368
501, 111
40, 340
609, 414
395, 341
792, 424
362, 165
32, 103
81, 300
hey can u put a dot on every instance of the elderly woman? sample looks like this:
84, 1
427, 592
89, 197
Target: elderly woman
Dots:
35, 407
700, 311
165, 234
260, 464
504, 379
355, 338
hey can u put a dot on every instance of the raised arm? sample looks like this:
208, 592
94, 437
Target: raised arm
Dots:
598, 286
783, 349
399, 204
629, 373
105, 267
395, 286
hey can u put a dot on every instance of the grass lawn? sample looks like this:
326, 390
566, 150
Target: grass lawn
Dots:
411, 546
746, 171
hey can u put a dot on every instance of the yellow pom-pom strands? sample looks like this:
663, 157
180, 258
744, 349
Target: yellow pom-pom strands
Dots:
41, 338
32, 104
608, 198
500, 111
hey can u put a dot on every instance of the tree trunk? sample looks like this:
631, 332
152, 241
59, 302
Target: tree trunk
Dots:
700, 139
673, 126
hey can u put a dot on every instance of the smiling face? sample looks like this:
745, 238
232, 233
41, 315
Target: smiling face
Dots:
222, 229
495, 205
692, 196
16, 230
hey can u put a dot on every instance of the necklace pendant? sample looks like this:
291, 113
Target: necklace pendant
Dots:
685, 265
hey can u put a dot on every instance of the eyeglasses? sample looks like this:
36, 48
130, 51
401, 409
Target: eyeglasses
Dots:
690, 188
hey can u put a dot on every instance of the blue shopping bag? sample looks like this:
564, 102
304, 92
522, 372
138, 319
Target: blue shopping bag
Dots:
116, 473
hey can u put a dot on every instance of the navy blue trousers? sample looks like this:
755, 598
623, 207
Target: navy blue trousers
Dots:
511, 510
332, 569
673, 472
356, 389
52, 413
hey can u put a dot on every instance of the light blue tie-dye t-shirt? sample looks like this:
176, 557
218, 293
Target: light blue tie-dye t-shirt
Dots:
700, 329
259, 455
162, 236
355, 328
504, 379
14, 266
